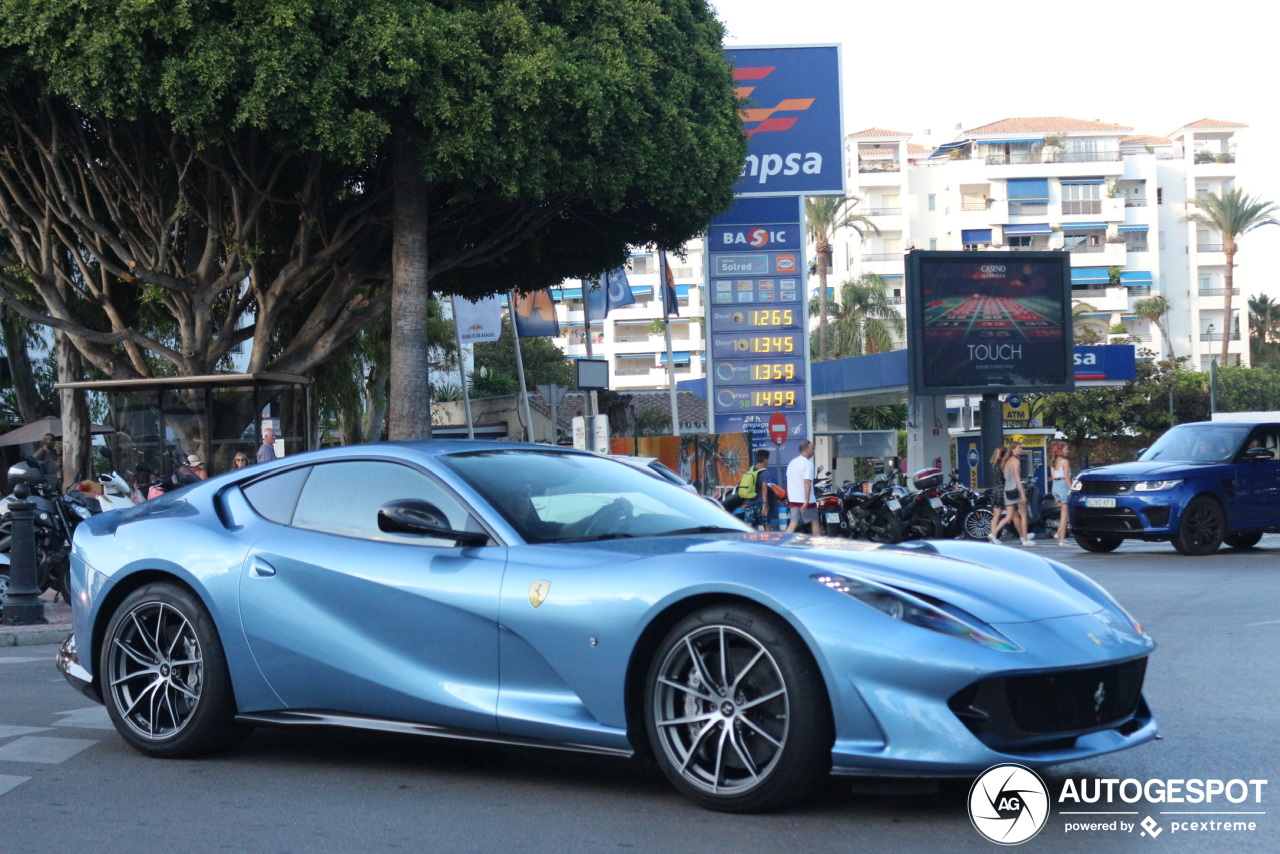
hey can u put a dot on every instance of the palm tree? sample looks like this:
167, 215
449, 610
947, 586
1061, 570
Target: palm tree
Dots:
863, 321
1084, 327
824, 216
1154, 308
1231, 215
1264, 317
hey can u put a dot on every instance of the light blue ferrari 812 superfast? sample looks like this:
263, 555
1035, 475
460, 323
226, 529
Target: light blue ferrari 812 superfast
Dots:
540, 596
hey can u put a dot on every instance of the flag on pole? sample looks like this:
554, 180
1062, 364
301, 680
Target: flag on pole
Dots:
613, 291
480, 320
535, 315
669, 304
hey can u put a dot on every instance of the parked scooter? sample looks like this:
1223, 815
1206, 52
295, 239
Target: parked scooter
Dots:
116, 494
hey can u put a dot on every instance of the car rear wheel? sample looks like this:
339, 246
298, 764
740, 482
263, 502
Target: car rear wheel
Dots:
737, 712
165, 678
1243, 540
1100, 543
1201, 529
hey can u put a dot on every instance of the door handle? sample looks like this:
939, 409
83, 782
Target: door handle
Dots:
261, 569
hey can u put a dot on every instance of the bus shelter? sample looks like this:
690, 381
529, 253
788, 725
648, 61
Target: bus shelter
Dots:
160, 420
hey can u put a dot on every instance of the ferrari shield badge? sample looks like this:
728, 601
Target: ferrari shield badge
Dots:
538, 592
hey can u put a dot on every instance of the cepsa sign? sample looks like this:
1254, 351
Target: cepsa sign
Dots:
792, 119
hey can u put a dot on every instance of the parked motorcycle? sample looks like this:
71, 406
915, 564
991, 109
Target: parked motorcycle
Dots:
56, 518
966, 513
921, 509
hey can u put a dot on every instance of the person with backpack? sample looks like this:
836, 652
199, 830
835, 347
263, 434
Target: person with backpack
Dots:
754, 491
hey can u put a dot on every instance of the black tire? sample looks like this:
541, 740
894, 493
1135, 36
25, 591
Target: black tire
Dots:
1100, 543
1243, 539
740, 753
887, 528
1202, 527
977, 524
164, 675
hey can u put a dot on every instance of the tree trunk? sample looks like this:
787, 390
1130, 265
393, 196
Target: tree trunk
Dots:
75, 413
1229, 251
25, 398
409, 409
824, 251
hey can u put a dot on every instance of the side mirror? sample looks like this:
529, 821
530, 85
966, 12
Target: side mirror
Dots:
1257, 455
412, 516
1139, 454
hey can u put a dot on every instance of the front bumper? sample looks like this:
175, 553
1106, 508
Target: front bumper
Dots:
68, 664
1154, 518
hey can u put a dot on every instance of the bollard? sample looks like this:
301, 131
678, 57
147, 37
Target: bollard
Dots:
22, 605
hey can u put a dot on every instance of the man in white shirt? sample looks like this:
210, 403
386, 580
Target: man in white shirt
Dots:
800, 497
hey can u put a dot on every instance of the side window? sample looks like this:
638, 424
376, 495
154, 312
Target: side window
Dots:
343, 498
275, 497
1265, 437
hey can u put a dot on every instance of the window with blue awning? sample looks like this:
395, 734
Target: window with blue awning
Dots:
679, 356
1133, 228
1135, 278
975, 236
1076, 181
1031, 228
1083, 226
1090, 276
1010, 141
1027, 189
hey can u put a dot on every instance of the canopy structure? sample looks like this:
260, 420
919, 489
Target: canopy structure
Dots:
36, 430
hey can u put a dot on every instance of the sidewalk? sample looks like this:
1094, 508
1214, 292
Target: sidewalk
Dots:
54, 631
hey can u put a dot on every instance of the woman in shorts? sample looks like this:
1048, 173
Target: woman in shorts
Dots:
1015, 500
1061, 471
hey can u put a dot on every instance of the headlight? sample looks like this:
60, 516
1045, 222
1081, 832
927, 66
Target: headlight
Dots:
931, 614
1075, 485
1155, 485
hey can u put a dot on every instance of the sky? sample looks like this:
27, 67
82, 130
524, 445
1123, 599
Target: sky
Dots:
1154, 66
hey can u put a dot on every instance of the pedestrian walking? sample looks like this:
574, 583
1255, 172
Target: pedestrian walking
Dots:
1061, 470
755, 511
1015, 499
800, 497
997, 490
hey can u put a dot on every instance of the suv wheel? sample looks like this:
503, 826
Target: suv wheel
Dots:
1202, 527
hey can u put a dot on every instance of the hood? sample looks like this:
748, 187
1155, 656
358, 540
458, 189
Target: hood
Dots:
997, 584
1153, 470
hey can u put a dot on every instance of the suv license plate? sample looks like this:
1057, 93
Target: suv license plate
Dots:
1099, 502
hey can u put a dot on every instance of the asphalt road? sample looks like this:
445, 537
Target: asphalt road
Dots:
68, 783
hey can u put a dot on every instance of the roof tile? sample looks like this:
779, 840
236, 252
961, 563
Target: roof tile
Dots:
1045, 124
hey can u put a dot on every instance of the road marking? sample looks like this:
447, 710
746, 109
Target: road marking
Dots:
1266, 623
11, 731
50, 751
9, 783
21, 659
91, 717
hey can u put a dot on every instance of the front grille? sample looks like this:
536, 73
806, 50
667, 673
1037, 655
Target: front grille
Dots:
1106, 487
1040, 711
1103, 519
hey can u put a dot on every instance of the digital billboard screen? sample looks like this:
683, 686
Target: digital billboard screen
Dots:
989, 322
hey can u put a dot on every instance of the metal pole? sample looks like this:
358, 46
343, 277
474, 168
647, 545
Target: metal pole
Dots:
593, 404
22, 605
462, 363
666, 329
524, 392
992, 414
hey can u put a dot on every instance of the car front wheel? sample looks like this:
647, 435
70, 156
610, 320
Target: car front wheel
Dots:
1200, 532
165, 678
737, 712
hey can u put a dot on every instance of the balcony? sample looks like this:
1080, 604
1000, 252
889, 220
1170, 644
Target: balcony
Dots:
975, 206
1217, 292
883, 256
1209, 247
1137, 247
883, 212
1052, 156
1217, 336
1135, 203
1086, 248
879, 166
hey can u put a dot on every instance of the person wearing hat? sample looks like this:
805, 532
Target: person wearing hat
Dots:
198, 466
185, 473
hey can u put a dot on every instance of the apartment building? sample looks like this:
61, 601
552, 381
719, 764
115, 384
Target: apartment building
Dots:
631, 338
1110, 197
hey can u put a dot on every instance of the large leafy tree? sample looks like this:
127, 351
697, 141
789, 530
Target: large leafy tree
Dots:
1232, 215
863, 321
510, 143
496, 372
1264, 329
824, 216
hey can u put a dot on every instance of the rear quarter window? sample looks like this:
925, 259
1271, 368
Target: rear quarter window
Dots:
275, 498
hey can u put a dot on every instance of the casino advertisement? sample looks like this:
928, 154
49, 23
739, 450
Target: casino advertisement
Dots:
989, 322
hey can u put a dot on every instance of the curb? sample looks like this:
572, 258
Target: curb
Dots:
34, 635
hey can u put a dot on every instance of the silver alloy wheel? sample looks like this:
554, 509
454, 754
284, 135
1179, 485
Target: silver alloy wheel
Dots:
155, 670
977, 524
721, 710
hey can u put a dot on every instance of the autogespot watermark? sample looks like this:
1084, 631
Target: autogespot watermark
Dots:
1009, 804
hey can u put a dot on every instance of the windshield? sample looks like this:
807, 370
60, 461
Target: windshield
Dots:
1200, 443
553, 496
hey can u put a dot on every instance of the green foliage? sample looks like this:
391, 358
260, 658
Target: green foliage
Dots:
653, 422
495, 364
1110, 423
891, 416
864, 320
1240, 389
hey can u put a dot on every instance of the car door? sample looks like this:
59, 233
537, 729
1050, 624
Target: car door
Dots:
1257, 499
342, 616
